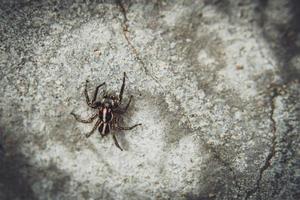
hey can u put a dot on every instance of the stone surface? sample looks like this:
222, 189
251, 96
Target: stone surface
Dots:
215, 84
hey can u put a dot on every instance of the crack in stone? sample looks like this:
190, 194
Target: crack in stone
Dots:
125, 28
226, 164
216, 156
123, 11
272, 152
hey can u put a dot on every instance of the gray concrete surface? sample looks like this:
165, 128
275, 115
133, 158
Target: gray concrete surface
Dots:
215, 84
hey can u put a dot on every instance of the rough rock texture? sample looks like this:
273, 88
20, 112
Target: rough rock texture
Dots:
215, 84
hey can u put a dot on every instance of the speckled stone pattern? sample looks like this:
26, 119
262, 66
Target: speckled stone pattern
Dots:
215, 85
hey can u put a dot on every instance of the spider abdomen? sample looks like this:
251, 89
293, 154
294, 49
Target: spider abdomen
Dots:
106, 115
104, 129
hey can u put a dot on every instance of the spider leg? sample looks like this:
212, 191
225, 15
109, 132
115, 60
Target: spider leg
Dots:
87, 98
94, 128
128, 128
96, 91
116, 142
89, 120
122, 88
123, 110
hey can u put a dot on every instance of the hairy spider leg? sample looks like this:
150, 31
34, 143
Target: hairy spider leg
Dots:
123, 110
87, 98
96, 91
122, 89
89, 120
116, 142
94, 128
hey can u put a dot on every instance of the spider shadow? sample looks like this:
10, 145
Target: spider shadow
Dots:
123, 121
122, 140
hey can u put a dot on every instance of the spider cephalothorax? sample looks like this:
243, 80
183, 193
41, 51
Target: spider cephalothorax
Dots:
108, 112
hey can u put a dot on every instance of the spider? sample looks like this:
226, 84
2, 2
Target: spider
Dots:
108, 113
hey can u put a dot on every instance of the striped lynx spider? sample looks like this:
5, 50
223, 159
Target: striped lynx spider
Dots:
108, 112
